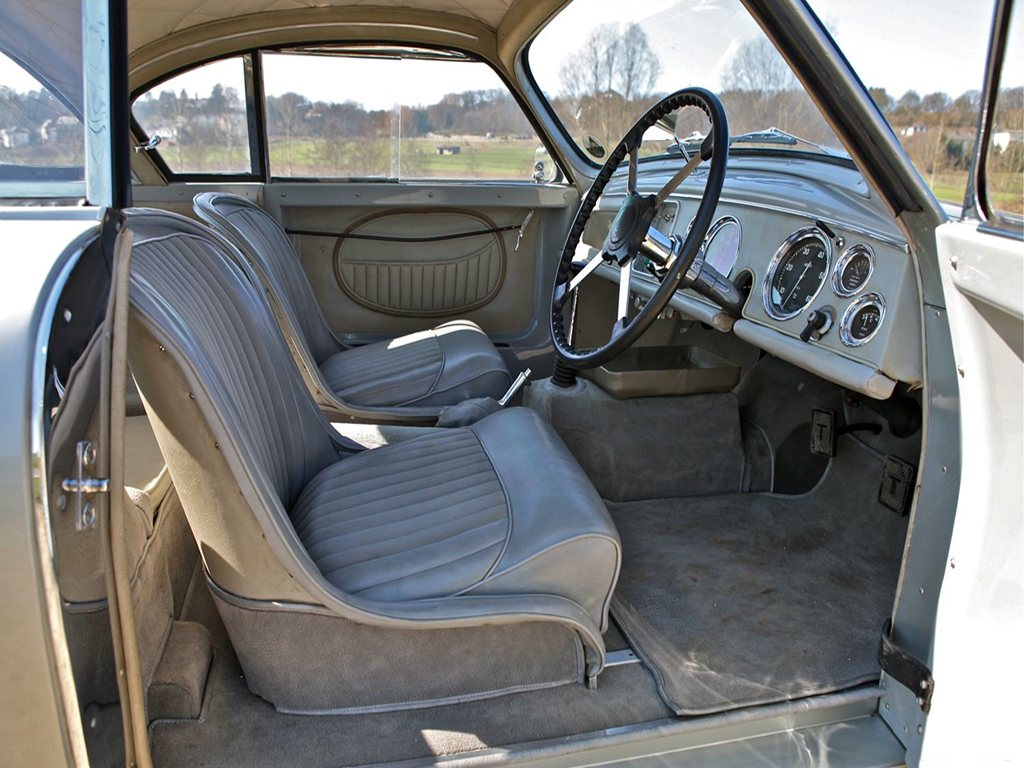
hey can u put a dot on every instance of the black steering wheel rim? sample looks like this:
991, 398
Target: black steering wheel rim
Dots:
631, 331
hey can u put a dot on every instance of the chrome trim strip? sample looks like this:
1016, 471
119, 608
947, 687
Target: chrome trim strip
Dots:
773, 265
841, 264
65, 679
867, 300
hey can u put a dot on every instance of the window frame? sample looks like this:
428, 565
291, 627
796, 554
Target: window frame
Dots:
977, 205
256, 109
253, 119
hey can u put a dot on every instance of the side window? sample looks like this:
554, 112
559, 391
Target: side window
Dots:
1004, 156
200, 119
418, 115
41, 139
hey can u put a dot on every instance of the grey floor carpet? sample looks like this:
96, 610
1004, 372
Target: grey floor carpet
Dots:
240, 729
749, 599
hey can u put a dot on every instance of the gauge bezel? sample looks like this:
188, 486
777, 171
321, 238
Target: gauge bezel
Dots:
867, 299
773, 266
717, 227
858, 249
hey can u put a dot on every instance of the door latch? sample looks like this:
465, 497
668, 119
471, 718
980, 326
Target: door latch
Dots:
81, 485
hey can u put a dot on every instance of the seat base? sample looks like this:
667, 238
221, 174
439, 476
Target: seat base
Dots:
305, 660
443, 366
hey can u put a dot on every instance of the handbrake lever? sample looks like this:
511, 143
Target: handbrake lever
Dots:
516, 386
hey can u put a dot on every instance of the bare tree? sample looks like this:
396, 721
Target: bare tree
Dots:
759, 70
639, 66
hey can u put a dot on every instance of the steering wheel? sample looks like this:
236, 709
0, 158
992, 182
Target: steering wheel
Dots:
678, 262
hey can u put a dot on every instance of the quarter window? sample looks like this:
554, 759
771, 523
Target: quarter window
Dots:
200, 118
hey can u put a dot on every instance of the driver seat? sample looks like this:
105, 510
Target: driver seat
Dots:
414, 375
465, 563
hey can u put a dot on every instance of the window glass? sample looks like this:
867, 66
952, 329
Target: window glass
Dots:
201, 119
370, 114
602, 63
41, 138
926, 83
1004, 165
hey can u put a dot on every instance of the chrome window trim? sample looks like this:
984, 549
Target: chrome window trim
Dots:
867, 299
773, 265
837, 274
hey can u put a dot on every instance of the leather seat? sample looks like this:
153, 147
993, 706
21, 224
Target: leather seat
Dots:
310, 541
420, 372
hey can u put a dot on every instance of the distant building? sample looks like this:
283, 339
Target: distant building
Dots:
449, 150
12, 138
910, 130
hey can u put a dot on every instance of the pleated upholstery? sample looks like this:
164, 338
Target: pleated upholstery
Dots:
279, 263
425, 518
194, 291
388, 373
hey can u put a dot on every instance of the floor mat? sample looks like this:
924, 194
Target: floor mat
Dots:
756, 598
239, 729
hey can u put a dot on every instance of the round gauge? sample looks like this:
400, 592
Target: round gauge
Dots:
853, 270
722, 245
796, 274
862, 320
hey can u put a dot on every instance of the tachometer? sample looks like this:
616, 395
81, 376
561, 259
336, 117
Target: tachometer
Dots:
862, 319
797, 272
853, 270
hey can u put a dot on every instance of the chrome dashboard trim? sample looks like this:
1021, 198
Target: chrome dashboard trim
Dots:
868, 299
717, 227
773, 265
841, 263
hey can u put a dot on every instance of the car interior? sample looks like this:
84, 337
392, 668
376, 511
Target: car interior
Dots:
427, 466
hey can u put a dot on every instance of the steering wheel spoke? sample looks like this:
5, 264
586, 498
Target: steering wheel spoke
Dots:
634, 158
564, 290
622, 315
676, 180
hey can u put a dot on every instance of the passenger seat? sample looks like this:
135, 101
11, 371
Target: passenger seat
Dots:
414, 375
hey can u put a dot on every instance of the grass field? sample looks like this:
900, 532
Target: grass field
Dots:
510, 159
1006, 189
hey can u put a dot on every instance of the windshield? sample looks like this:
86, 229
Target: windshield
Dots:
602, 63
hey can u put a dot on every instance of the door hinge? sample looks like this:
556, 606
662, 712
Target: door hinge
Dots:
905, 669
81, 485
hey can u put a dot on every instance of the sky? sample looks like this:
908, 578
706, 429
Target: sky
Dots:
927, 45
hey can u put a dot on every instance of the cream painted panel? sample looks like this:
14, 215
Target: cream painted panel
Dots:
512, 311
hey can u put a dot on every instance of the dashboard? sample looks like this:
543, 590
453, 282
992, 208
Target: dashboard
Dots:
832, 285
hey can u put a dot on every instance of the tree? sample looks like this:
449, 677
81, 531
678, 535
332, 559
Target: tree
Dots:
766, 80
639, 66
882, 98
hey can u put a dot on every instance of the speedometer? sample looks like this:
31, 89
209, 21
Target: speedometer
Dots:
796, 274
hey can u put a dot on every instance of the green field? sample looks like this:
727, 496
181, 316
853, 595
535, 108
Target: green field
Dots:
1006, 189
477, 158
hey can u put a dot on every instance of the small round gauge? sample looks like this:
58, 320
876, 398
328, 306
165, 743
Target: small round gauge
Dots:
853, 270
796, 274
722, 245
862, 319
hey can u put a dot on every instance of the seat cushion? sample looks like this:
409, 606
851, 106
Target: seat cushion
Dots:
442, 366
500, 507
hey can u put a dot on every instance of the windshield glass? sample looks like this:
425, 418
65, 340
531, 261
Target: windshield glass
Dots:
927, 86
602, 63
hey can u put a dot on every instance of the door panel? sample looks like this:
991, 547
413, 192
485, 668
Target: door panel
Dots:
511, 307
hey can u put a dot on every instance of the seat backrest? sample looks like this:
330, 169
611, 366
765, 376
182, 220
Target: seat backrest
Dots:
198, 298
258, 235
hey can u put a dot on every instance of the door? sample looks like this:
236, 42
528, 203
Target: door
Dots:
982, 261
